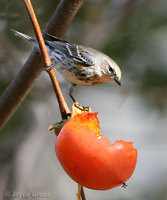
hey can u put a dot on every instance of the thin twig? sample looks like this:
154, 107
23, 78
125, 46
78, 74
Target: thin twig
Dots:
21, 85
80, 193
83, 193
46, 59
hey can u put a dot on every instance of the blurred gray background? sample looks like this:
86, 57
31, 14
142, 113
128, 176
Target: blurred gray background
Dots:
134, 34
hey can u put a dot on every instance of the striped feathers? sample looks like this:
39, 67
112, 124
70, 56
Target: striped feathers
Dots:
71, 50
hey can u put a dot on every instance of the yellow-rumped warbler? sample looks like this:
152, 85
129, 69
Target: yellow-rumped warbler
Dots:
78, 64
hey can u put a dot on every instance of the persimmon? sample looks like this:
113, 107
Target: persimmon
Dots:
89, 158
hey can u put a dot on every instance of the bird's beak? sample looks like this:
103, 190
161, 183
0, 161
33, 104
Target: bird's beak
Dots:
117, 81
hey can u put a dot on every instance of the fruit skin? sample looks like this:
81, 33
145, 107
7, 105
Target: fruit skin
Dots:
89, 158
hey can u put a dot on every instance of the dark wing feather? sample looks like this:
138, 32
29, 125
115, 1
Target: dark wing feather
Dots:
54, 38
71, 50
78, 56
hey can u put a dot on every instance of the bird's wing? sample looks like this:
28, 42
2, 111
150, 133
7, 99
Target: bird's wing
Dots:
79, 55
72, 50
53, 38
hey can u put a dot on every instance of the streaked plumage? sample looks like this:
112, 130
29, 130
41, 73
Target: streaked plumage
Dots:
78, 64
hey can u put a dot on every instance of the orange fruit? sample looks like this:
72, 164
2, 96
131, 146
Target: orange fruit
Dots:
89, 158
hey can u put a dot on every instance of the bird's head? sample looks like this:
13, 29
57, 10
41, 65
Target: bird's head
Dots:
113, 71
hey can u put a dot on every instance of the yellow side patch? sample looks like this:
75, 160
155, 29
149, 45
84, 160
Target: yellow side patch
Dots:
79, 66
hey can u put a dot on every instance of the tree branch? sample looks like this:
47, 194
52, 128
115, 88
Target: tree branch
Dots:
46, 59
23, 82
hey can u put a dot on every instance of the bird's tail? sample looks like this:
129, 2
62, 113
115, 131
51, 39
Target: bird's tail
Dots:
22, 35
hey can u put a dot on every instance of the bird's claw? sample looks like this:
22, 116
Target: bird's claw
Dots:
48, 68
77, 109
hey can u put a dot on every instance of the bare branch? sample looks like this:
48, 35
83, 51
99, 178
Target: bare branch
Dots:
23, 82
46, 59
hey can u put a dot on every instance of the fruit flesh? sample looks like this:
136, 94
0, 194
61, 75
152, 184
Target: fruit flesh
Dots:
89, 158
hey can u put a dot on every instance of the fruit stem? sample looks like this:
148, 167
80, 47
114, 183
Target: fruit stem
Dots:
80, 193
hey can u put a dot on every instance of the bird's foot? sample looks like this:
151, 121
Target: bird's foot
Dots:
77, 109
48, 68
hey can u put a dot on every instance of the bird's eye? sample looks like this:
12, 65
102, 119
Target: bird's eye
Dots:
111, 69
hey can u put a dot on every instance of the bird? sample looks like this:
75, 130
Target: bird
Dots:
80, 65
